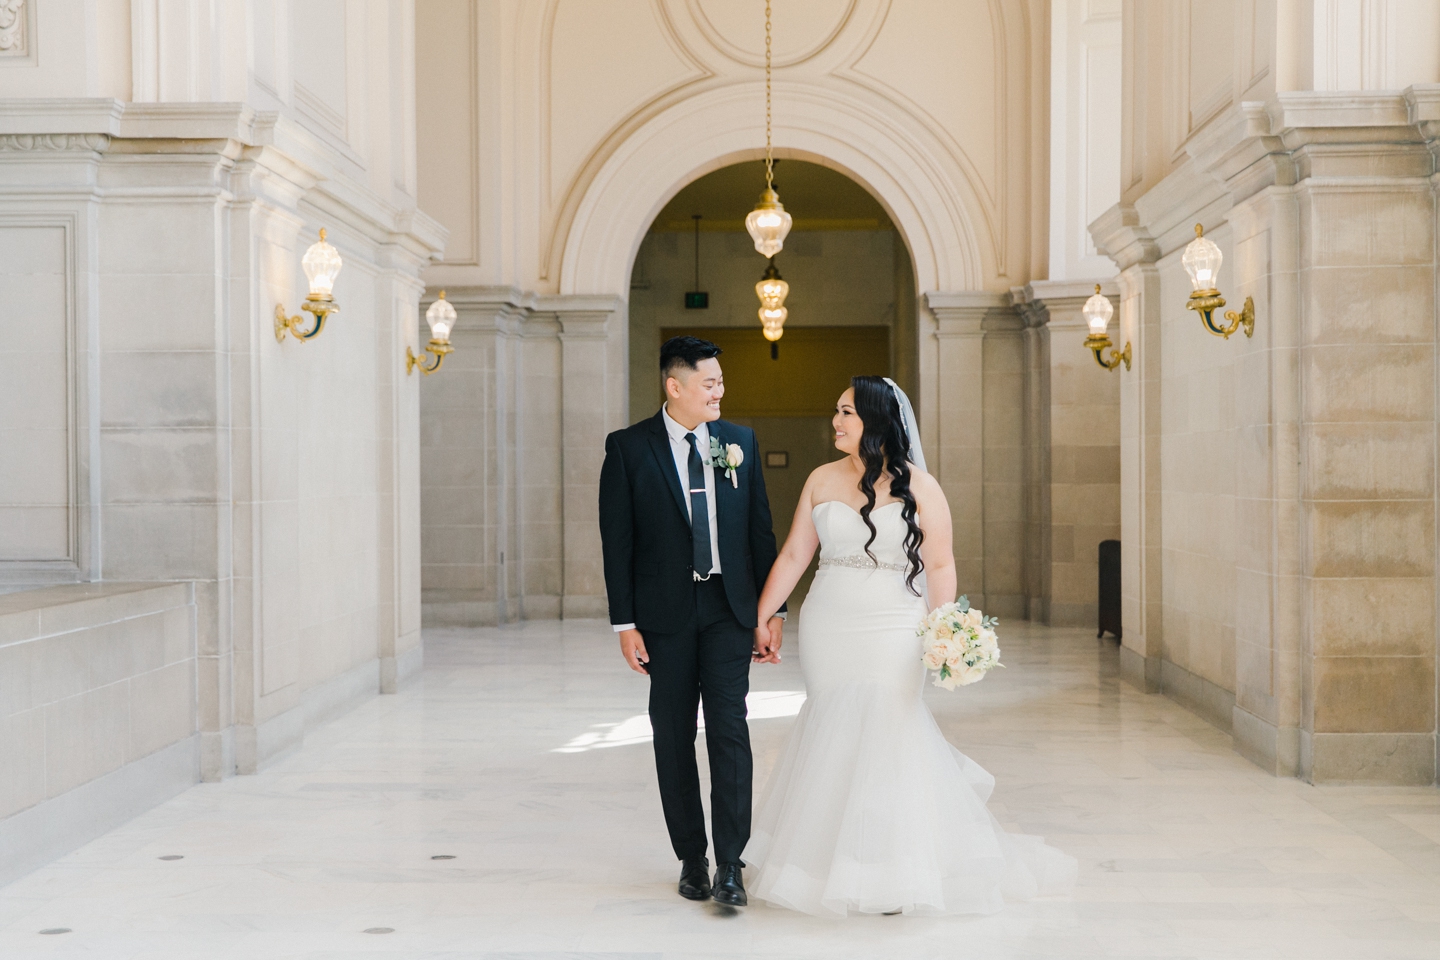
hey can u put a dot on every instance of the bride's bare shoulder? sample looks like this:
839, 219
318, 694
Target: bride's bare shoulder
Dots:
819, 485
923, 484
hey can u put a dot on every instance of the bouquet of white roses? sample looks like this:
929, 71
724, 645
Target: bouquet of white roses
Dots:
960, 644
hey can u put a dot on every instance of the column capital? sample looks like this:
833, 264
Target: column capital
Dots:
1039, 302
963, 313
582, 317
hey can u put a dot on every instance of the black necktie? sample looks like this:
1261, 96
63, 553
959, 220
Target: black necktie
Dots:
699, 512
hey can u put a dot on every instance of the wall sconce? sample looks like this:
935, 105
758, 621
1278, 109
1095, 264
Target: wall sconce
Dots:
441, 317
1202, 261
1098, 311
322, 265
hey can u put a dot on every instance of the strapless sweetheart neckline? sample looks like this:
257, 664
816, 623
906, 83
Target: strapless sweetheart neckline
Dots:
892, 503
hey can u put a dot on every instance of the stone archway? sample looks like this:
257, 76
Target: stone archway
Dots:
552, 368
894, 156
876, 142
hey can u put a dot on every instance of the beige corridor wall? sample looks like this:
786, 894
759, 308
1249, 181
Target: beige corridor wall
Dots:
161, 176
1278, 492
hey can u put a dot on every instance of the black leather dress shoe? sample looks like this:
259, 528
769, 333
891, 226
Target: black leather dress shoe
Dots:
729, 886
695, 879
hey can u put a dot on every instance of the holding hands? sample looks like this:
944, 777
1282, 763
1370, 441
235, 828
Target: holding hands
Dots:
768, 637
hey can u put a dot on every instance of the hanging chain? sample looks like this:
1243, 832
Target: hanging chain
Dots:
769, 160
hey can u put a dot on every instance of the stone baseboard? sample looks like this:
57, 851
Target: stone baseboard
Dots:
1275, 750
459, 613
1390, 758
1037, 610
1140, 671
1074, 615
1006, 606
259, 746
50, 829
541, 606
1213, 704
581, 607
395, 670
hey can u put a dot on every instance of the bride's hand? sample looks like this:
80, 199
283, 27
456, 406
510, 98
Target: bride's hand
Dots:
768, 637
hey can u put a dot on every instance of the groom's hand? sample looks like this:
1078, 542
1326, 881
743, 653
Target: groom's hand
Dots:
768, 637
632, 645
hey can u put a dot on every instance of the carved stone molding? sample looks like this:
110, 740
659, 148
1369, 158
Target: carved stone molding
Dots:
14, 39
52, 142
1119, 234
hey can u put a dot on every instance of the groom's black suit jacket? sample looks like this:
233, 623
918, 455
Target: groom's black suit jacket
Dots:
645, 528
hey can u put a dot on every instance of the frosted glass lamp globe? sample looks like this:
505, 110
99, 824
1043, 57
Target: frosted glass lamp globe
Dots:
1202, 261
1098, 311
768, 224
772, 288
322, 265
441, 317
772, 322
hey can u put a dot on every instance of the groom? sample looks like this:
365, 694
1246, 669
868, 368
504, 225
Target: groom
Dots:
688, 546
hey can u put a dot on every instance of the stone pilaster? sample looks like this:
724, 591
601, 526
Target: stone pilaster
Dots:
471, 552
1073, 453
959, 461
1131, 247
591, 389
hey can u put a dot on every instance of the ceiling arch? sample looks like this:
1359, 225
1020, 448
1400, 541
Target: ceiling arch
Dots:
927, 195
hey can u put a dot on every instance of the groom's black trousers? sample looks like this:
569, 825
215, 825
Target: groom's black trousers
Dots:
707, 660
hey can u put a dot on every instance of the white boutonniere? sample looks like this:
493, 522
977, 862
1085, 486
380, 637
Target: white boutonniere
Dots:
727, 457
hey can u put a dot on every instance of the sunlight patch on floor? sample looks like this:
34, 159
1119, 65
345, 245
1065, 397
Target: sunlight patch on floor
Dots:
759, 705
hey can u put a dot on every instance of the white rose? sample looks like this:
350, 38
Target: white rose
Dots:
973, 618
734, 456
934, 659
987, 641
968, 675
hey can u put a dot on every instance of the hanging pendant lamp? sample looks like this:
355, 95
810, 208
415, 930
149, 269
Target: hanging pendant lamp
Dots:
768, 223
772, 290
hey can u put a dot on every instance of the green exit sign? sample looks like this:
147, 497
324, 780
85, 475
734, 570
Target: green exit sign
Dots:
697, 300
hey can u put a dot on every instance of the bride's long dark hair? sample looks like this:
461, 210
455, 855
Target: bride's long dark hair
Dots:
884, 448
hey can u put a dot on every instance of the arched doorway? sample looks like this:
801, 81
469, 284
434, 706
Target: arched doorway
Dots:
852, 309
553, 369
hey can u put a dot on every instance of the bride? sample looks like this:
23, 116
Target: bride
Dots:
869, 808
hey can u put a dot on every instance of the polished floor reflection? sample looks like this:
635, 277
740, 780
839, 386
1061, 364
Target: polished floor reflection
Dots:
523, 754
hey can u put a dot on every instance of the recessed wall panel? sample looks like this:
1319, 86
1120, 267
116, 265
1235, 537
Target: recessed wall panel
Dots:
35, 393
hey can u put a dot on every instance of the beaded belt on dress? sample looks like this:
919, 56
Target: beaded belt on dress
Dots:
862, 562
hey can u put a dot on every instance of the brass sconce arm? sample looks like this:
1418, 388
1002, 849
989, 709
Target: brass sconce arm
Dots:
1206, 302
319, 309
1098, 345
435, 349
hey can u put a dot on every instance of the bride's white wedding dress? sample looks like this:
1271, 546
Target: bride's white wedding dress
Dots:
869, 808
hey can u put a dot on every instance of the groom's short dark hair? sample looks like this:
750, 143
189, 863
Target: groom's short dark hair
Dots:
684, 352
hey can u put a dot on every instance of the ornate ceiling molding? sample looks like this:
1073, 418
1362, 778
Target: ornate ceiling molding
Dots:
14, 38
54, 142
735, 52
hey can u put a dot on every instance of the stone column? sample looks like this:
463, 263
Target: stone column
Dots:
1366, 284
1037, 455
958, 462
1121, 236
469, 476
593, 365
1074, 451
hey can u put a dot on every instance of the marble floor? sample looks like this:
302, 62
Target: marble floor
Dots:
503, 807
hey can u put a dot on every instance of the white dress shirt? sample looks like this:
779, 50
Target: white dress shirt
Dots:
680, 450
